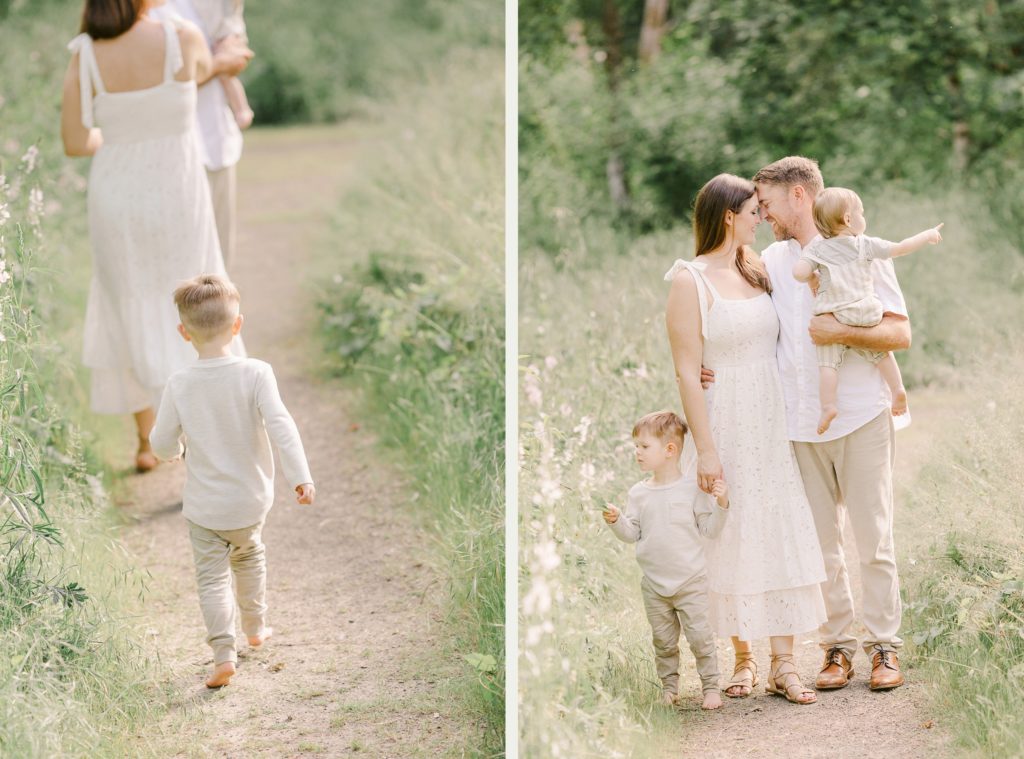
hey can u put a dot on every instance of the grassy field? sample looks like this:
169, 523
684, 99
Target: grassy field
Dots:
596, 358
413, 314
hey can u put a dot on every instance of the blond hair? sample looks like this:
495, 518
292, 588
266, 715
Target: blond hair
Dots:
666, 426
207, 304
831, 206
793, 170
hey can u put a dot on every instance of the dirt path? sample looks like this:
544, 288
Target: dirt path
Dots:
358, 664
851, 723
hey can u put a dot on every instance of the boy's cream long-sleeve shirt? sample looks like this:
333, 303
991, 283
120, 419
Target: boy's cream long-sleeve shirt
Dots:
667, 522
228, 410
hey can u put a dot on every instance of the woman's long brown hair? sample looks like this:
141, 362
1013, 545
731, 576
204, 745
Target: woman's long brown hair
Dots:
106, 19
726, 192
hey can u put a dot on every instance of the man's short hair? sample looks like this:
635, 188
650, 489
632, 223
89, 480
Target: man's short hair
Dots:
667, 426
793, 170
207, 304
829, 208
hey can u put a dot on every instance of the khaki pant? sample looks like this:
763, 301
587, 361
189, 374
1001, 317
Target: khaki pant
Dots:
854, 474
225, 203
686, 611
219, 554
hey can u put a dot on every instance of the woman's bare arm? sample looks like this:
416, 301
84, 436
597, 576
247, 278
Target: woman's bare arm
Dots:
78, 140
683, 320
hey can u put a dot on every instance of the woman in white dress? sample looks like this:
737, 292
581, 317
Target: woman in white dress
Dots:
765, 567
129, 101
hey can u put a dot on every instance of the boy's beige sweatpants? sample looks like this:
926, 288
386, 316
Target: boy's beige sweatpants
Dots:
685, 611
219, 554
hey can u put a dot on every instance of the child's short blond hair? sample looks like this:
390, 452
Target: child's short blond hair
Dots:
667, 426
207, 305
831, 206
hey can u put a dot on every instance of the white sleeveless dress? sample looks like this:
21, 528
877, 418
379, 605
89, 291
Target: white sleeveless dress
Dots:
151, 226
765, 567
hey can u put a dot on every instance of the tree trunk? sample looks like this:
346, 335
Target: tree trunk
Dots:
652, 29
615, 168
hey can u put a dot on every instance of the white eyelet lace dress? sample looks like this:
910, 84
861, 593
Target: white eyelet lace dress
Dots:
765, 567
151, 226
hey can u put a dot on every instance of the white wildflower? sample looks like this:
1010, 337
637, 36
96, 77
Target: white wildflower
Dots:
565, 409
550, 362
29, 159
582, 429
35, 206
4, 274
5, 214
531, 387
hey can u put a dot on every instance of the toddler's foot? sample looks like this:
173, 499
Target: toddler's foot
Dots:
244, 118
144, 458
258, 640
828, 413
712, 700
899, 402
222, 675
668, 698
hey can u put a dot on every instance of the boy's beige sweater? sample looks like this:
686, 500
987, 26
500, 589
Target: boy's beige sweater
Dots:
667, 523
228, 410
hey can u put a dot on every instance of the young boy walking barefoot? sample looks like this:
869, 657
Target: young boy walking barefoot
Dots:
228, 411
842, 260
666, 516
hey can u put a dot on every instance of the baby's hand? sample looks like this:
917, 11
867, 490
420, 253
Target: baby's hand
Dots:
610, 513
721, 493
814, 282
306, 492
935, 235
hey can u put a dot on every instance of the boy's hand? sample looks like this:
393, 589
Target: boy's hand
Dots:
306, 492
935, 236
610, 513
721, 493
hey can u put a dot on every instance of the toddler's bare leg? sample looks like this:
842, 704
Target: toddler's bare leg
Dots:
237, 100
828, 384
891, 374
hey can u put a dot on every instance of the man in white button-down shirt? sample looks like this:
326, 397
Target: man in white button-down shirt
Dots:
849, 468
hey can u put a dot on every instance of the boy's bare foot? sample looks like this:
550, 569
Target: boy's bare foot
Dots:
712, 700
669, 699
828, 413
258, 640
222, 675
899, 402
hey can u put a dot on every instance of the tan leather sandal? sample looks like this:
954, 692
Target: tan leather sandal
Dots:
783, 680
744, 663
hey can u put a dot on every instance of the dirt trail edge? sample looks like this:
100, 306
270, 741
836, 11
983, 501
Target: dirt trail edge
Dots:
357, 663
851, 723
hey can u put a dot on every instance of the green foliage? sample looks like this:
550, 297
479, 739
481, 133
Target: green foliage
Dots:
965, 610
71, 680
327, 60
877, 93
414, 316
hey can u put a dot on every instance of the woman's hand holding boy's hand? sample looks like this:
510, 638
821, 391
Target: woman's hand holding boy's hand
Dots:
721, 493
306, 492
610, 513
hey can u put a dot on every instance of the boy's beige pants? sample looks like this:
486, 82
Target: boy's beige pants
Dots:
686, 611
854, 475
219, 554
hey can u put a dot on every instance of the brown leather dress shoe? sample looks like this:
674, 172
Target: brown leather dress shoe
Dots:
885, 670
836, 672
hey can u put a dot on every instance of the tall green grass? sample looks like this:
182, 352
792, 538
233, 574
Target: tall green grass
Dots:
72, 681
414, 315
596, 357
965, 593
